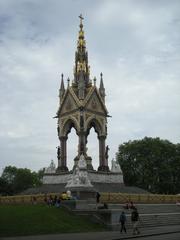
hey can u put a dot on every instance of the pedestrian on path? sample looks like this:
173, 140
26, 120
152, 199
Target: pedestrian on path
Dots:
135, 221
97, 197
122, 220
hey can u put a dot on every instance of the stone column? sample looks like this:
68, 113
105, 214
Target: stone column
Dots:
103, 163
82, 149
63, 164
82, 143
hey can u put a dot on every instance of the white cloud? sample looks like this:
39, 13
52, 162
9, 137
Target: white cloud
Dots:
134, 43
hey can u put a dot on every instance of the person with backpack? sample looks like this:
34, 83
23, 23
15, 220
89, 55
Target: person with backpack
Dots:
122, 220
135, 221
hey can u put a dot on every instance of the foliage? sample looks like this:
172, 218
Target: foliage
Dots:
16, 220
152, 164
15, 180
4, 187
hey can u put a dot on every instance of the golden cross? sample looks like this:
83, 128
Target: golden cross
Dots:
81, 17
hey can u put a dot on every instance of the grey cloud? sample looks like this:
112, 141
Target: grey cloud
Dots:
134, 43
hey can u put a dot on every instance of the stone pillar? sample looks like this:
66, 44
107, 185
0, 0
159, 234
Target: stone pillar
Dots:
62, 164
103, 163
82, 143
82, 149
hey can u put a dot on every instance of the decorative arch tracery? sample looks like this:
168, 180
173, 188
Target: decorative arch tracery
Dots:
71, 122
92, 122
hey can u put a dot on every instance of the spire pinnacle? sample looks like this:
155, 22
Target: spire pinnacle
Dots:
62, 88
81, 69
81, 41
101, 87
68, 81
101, 81
94, 81
62, 75
81, 18
62, 83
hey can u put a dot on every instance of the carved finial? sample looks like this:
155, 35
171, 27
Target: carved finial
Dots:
81, 69
101, 87
62, 89
94, 81
81, 18
68, 80
81, 42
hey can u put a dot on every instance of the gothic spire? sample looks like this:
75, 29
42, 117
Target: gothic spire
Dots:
81, 69
101, 87
62, 88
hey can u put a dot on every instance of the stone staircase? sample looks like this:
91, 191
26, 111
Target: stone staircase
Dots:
151, 215
148, 208
147, 220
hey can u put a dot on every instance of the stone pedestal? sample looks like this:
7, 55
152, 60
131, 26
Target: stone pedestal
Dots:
81, 193
103, 168
79, 183
88, 161
61, 169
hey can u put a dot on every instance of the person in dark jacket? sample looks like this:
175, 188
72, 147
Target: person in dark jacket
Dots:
135, 221
122, 220
98, 195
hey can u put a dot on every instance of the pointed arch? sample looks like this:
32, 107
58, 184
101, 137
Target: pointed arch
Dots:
71, 122
93, 122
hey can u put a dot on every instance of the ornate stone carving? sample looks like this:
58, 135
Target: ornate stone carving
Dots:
93, 103
51, 168
79, 178
115, 167
106, 152
68, 104
58, 153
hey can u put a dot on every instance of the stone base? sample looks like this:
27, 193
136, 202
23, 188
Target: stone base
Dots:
94, 177
62, 169
82, 193
88, 161
103, 169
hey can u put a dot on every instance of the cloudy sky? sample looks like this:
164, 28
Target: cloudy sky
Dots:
135, 43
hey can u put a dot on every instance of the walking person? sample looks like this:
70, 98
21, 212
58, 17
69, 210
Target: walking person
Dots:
135, 221
122, 220
98, 195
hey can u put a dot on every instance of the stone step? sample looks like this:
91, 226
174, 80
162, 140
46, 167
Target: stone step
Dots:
148, 220
148, 208
152, 215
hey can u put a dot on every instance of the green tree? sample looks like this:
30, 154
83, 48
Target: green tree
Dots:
4, 187
9, 174
18, 179
151, 163
24, 179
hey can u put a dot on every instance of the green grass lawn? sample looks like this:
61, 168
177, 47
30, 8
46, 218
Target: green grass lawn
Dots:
18, 220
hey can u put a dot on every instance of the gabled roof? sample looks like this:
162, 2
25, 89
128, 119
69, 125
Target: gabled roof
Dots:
88, 98
69, 92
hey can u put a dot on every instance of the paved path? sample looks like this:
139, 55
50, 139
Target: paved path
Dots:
146, 233
172, 236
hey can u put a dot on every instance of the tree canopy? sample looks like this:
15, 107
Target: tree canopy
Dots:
152, 164
14, 180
